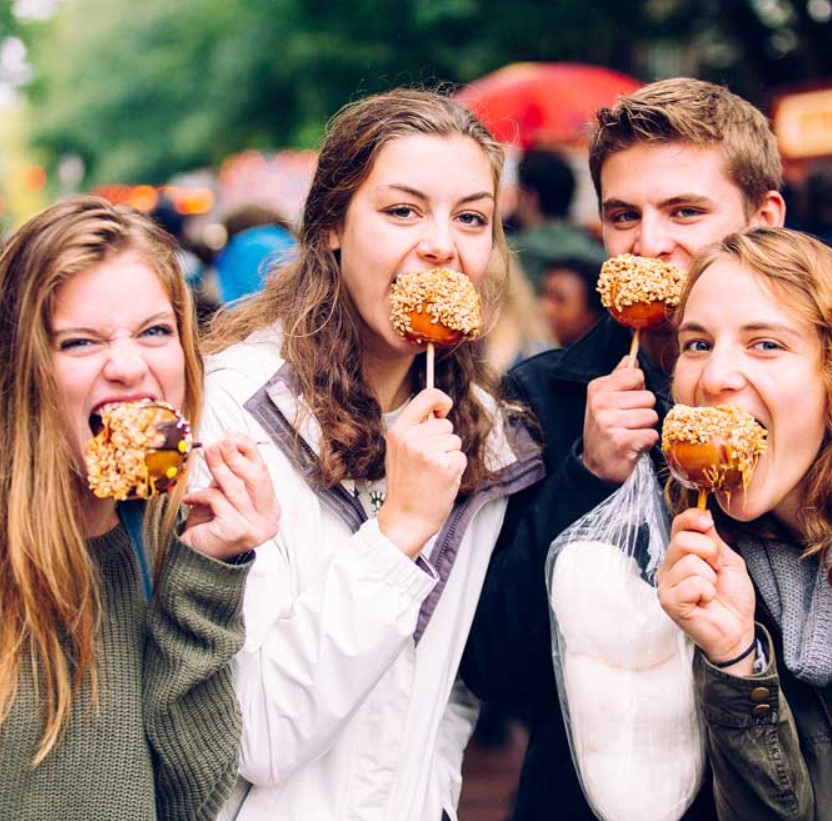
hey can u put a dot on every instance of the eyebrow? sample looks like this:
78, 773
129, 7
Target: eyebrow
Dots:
83, 329
751, 327
415, 192
679, 199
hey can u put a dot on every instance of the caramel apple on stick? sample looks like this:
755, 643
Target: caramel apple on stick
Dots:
435, 307
712, 449
138, 449
639, 292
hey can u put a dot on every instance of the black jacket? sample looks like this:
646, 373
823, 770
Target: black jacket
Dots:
508, 659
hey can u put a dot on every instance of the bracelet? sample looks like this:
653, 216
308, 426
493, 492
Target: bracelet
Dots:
721, 665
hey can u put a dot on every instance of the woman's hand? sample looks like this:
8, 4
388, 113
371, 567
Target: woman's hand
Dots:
239, 510
705, 588
424, 467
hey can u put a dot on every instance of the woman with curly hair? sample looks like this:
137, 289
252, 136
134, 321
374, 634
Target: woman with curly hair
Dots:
112, 705
756, 331
393, 493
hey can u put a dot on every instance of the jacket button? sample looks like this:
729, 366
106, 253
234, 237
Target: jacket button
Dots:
761, 710
760, 694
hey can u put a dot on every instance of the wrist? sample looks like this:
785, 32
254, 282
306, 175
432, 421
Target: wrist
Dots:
404, 534
739, 660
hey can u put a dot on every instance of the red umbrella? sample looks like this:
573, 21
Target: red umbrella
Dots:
543, 103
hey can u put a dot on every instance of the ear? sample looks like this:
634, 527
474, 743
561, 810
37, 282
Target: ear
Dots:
333, 239
771, 213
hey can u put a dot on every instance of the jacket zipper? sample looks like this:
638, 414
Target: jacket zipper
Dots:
519, 473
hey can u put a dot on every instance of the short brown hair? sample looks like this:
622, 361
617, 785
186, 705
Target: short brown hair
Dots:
685, 110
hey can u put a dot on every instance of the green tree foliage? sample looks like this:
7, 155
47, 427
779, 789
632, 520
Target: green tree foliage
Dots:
141, 90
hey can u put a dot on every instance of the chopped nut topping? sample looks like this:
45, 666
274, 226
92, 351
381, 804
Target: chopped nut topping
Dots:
448, 296
117, 455
629, 280
743, 437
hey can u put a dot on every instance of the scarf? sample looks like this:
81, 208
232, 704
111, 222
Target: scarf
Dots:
799, 598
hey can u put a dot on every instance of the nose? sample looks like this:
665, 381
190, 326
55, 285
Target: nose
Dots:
125, 362
652, 237
722, 375
436, 245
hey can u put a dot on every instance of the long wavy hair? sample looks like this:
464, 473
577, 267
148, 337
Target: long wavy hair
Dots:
320, 330
49, 596
797, 269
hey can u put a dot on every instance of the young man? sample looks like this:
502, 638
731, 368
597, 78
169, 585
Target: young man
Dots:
676, 166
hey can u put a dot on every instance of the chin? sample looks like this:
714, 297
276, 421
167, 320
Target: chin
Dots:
742, 507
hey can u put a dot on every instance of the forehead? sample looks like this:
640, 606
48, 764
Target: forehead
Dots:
121, 286
427, 158
731, 290
654, 172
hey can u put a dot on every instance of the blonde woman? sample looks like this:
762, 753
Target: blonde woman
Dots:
111, 706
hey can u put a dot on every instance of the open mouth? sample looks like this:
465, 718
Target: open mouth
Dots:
96, 423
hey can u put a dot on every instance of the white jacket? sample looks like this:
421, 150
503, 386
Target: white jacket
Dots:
347, 679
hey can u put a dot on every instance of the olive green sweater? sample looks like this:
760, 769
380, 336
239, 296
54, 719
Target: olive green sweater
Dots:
163, 741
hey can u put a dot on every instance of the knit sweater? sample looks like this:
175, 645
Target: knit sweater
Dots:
163, 741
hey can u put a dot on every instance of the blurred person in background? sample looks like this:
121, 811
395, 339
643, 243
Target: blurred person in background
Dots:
192, 264
819, 203
520, 330
116, 701
546, 185
258, 239
569, 298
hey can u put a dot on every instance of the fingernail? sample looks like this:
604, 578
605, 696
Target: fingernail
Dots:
705, 520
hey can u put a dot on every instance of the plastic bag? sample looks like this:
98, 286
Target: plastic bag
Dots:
623, 668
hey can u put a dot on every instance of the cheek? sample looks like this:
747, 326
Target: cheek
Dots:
684, 383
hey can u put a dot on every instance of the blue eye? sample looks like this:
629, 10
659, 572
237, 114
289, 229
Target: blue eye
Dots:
473, 218
623, 217
161, 330
688, 213
401, 211
74, 344
695, 346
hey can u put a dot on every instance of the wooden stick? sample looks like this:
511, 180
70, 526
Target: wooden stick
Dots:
430, 355
702, 499
631, 359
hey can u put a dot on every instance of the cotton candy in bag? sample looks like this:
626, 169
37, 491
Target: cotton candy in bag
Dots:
623, 668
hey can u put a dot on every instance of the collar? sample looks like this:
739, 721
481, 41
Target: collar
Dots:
598, 353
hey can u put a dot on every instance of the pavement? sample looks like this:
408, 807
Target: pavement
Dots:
489, 777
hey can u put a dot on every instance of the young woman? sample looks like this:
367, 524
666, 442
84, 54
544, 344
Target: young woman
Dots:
110, 706
392, 494
756, 330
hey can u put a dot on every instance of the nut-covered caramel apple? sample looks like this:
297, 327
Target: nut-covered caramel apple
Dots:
438, 306
640, 292
712, 449
139, 449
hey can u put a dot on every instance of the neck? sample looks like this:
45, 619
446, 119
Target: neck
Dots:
98, 516
389, 380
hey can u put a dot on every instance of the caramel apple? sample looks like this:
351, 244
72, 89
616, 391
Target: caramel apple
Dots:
439, 306
139, 449
712, 449
640, 292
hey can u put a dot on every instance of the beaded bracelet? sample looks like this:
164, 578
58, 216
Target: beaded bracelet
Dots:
721, 665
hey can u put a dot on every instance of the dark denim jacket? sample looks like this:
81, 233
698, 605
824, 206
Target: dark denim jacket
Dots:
769, 739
